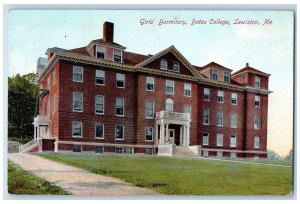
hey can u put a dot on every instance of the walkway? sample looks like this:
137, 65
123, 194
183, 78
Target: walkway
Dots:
74, 180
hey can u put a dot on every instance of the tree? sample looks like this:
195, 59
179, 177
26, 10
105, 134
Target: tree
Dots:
273, 155
22, 95
290, 156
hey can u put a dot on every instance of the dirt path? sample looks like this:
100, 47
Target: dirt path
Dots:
73, 180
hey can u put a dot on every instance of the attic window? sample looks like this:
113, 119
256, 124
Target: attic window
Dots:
257, 82
176, 66
226, 77
215, 74
163, 64
100, 52
117, 56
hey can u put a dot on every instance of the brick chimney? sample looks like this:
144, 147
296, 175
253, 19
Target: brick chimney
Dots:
108, 32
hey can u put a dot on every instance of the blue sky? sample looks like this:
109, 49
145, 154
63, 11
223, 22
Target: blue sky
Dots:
268, 48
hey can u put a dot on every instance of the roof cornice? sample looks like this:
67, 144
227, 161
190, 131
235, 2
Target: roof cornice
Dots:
250, 71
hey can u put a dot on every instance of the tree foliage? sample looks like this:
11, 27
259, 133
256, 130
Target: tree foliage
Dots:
22, 95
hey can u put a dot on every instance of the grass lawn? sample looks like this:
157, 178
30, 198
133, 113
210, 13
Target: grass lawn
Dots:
186, 176
22, 182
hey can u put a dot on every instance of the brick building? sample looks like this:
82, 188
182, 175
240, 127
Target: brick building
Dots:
101, 98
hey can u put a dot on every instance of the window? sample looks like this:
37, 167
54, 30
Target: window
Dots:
219, 118
256, 142
257, 82
150, 83
215, 74
77, 101
149, 109
232, 141
169, 105
120, 106
256, 122
206, 95
187, 109
149, 151
99, 104
187, 89
169, 87
257, 101
99, 131
221, 96
119, 135
149, 134
53, 77
53, 103
76, 129
118, 56
100, 53
163, 64
119, 150
220, 140
99, 149
232, 154
205, 138
100, 77
128, 150
176, 66
233, 120
226, 77
219, 154
120, 80
77, 74
233, 98
77, 148
205, 153
206, 116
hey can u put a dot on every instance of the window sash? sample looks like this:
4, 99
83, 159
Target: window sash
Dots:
100, 52
257, 82
150, 83
99, 130
232, 141
206, 116
99, 103
117, 56
163, 64
100, 77
219, 118
76, 129
77, 101
187, 89
149, 109
215, 74
257, 101
219, 140
205, 140
119, 150
149, 134
170, 87
77, 74
176, 66
234, 98
256, 142
187, 109
226, 77
99, 149
119, 133
221, 96
206, 95
233, 121
120, 106
256, 122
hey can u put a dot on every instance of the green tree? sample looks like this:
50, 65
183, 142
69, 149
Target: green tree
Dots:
290, 156
22, 95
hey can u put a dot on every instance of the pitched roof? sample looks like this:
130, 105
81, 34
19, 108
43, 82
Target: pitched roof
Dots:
252, 70
134, 58
54, 49
81, 50
214, 63
101, 41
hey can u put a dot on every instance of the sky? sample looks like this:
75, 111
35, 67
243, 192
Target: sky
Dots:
268, 48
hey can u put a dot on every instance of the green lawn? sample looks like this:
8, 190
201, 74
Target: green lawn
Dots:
186, 176
22, 182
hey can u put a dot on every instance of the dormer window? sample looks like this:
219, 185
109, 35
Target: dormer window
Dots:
215, 74
163, 64
226, 77
100, 52
257, 82
176, 67
117, 56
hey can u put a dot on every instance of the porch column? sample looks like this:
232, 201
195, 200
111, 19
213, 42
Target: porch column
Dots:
180, 140
188, 135
167, 134
156, 134
34, 136
184, 136
162, 133
38, 132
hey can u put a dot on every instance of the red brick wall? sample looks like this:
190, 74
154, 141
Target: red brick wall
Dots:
249, 79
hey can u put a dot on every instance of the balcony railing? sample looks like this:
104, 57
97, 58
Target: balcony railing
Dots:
41, 119
172, 115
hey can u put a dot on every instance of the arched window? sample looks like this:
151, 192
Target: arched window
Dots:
163, 64
169, 105
176, 67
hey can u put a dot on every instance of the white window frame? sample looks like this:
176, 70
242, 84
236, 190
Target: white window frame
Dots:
212, 74
256, 142
228, 77
151, 117
81, 101
119, 149
122, 76
233, 120
187, 87
219, 141
232, 154
96, 131
205, 142
207, 116
150, 80
258, 122
189, 107
116, 132
176, 65
219, 154
171, 102
74, 67
233, 142
146, 134
81, 127
173, 86
206, 94
99, 152
114, 53
166, 64
123, 105
257, 82
257, 99
103, 72
220, 94
99, 48
222, 118
102, 105
205, 153
234, 96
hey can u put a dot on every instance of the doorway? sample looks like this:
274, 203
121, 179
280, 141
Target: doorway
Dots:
172, 136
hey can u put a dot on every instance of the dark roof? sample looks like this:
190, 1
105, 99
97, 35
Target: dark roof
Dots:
134, 58
108, 43
250, 69
214, 63
55, 49
81, 50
